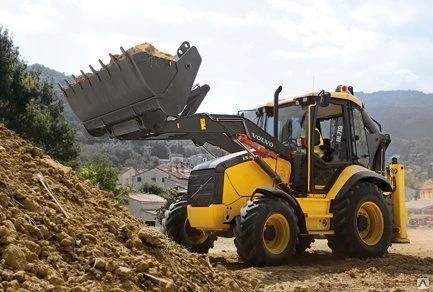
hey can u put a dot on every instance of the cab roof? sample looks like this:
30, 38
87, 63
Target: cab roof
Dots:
334, 95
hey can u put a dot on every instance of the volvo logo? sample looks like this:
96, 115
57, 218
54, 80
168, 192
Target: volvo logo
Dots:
262, 140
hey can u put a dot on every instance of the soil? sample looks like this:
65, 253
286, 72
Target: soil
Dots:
95, 245
148, 48
319, 270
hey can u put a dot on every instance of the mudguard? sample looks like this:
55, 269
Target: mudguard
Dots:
289, 198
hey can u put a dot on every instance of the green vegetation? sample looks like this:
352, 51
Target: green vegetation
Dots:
104, 175
411, 180
30, 107
149, 188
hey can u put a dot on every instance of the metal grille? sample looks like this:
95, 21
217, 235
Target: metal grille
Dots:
201, 187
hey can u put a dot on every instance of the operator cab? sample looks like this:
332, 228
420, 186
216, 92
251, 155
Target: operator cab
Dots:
325, 133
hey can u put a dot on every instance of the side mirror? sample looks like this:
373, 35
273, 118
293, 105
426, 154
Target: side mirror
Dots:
324, 99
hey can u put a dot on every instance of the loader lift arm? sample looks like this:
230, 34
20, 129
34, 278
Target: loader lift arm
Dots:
219, 130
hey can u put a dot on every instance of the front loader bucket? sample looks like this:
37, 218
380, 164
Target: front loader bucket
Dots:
135, 92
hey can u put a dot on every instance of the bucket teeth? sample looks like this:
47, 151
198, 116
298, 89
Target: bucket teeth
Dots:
115, 61
62, 89
77, 81
95, 72
104, 66
85, 76
69, 85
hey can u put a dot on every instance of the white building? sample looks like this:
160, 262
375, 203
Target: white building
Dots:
162, 176
144, 206
126, 176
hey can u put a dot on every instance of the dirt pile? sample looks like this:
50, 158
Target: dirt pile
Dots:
94, 246
147, 48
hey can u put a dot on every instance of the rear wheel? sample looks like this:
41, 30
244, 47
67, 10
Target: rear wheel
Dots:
178, 228
362, 223
266, 232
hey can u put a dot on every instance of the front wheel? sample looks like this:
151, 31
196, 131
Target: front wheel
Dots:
266, 232
362, 223
178, 228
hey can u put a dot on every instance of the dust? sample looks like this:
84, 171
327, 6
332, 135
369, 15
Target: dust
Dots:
99, 247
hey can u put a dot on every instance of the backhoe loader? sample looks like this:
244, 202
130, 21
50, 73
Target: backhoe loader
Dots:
297, 169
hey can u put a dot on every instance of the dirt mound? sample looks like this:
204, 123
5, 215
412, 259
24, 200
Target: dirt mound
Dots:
147, 48
144, 47
94, 245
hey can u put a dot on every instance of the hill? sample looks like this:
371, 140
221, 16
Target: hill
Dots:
407, 116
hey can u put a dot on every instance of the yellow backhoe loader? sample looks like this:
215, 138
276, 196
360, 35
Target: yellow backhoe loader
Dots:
297, 169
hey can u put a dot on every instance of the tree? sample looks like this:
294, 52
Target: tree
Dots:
101, 174
160, 150
149, 188
412, 181
30, 107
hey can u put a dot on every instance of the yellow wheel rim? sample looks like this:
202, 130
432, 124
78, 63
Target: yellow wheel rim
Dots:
276, 233
194, 235
370, 223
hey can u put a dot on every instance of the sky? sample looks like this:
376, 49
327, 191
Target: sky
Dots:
248, 47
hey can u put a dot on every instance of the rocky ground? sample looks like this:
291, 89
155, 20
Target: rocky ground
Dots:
86, 241
319, 270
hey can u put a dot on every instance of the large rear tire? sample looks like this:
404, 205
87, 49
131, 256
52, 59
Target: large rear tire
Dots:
177, 227
266, 232
362, 223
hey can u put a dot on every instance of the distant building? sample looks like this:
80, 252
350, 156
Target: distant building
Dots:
163, 175
421, 207
144, 206
126, 176
426, 191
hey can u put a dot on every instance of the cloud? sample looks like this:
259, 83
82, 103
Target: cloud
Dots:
406, 75
34, 16
376, 44
168, 12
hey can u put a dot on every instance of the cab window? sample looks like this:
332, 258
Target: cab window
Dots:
359, 138
331, 129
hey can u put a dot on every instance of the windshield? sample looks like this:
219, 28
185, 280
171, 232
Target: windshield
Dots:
292, 123
253, 115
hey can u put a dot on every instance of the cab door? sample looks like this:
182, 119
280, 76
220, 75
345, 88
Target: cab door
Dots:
331, 153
